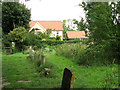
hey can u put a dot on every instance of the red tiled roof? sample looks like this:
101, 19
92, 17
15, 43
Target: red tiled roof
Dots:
57, 25
76, 34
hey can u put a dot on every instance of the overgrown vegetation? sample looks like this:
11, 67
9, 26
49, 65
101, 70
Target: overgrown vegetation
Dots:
71, 50
103, 43
103, 26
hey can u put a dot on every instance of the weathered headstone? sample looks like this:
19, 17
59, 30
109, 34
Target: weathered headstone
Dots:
31, 52
68, 78
43, 60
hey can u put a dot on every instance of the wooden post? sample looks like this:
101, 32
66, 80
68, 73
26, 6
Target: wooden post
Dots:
68, 78
43, 60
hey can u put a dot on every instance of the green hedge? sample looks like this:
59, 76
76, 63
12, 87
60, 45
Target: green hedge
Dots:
56, 42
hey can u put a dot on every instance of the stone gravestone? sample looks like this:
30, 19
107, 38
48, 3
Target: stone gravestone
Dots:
31, 52
68, 78
43, 60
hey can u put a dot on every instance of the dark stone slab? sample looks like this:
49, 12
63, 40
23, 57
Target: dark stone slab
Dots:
68, 78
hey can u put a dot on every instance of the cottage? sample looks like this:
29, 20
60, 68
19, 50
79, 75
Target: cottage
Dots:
41, 26
76, 34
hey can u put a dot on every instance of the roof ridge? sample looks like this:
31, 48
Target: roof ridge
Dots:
46, 21
77, 31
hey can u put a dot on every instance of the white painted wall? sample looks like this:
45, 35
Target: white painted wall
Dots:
55, 33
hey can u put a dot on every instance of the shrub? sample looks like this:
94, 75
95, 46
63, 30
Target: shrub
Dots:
58, 37
18, 35
33, 40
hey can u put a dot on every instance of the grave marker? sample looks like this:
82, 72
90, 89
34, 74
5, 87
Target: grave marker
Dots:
31, 52
43, 60
68, 78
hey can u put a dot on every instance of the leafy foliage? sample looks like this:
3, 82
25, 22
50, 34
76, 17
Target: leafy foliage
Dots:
80, 25
48, 32
32, 40
18, 34
102, 21
14, 15
67, 26
58, 37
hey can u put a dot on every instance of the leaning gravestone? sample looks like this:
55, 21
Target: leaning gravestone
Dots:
68, 78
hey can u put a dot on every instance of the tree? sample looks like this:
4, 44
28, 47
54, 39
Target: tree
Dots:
67, 26
18, 34
103, 23
14, 15
80, 25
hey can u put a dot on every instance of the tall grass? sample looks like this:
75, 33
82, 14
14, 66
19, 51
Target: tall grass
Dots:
85, 54
71, 50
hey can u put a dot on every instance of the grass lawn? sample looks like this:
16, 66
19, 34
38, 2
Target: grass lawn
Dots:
21, 73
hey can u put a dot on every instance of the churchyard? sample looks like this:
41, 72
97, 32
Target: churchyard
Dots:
44, 69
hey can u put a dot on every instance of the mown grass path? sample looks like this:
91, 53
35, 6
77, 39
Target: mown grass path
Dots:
21, 73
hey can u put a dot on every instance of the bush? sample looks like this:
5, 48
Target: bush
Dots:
58, 37
33, 40
18, 35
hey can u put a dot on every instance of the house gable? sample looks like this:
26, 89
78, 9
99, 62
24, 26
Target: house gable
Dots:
39, 27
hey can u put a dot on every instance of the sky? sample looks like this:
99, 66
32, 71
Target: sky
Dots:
46, 10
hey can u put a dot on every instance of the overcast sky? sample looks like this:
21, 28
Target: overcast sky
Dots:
55, 9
